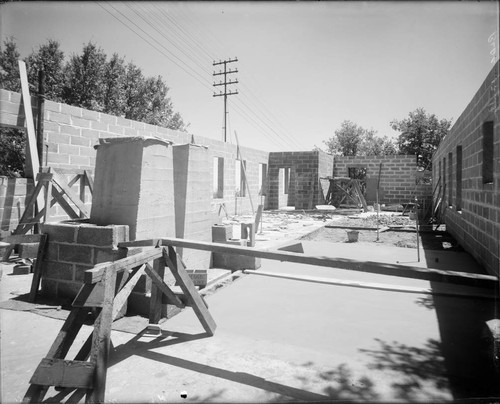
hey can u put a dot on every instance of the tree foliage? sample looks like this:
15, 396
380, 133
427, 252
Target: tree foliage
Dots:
89, 80
353, 140
421, 134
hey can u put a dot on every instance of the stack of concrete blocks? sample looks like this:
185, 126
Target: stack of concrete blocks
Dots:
73, 248
224, 234
193, 211
133, 185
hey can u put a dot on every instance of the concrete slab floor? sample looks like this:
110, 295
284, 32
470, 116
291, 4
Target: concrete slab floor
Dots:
285, 340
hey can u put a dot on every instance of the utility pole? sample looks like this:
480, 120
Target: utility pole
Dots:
225, 83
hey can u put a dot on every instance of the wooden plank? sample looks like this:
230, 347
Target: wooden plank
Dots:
124, 293
64, 373
156, 295
74, 180
83, 295
95, 274
22, 238
244, 171
37, 271
163, 287
59, 197
32, 162
90, 181
140, 243
67, 334
258, 217
430, 274
101, 339
190, 291
61, 183
48, 199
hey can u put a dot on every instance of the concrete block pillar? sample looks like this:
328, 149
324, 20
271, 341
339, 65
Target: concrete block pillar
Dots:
193, 196
133, 185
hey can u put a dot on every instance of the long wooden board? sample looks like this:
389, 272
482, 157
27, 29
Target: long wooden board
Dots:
430, 274
95, 274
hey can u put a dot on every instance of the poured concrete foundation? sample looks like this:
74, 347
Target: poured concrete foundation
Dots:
133, 185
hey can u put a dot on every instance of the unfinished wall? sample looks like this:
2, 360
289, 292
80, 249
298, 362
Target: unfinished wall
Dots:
193, 213
301, 188
70, 134
398, 178
134, 186
13, 195
466, 172
74, 248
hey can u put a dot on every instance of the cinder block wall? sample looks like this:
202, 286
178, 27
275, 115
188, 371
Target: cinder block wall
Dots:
13, 195
304, 186
472, 216
74, 248
398, 179
70, 134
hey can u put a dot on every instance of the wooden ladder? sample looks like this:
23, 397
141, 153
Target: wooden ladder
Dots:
106, 288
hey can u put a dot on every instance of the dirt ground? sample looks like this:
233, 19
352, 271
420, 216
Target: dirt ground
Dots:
401, 232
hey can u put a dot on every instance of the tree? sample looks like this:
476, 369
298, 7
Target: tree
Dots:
84, 83
353, 140
421, 134
50, 59
114, 93
9, 68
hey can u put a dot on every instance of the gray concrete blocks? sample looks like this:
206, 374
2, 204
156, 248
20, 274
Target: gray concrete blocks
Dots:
133, 185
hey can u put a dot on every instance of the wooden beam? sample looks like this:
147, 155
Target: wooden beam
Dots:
190, 291
22, 238
163, 287
90, 181
156, 273
64, 373
37, 271
61, 183
430, 274
32, 162
59, 197
101, 339
95, 274
124, 293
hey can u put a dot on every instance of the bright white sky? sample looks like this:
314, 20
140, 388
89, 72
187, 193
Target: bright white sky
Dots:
304, 67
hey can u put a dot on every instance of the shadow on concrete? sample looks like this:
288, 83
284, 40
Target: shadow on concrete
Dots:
418, 368
135, 347
468, 356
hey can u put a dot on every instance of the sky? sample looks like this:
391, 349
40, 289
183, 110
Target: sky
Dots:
303, 67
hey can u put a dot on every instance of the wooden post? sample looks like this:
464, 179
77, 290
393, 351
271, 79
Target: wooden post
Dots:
156, 294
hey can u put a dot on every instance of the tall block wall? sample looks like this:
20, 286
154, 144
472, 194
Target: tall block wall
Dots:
70, 134
398, 177
470, 203
192, 192
133, 185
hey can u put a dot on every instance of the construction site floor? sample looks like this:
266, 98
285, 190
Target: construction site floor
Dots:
287, 340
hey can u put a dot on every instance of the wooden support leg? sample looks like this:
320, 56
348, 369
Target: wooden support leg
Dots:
156, 294
37, 273
101, 339
187, 286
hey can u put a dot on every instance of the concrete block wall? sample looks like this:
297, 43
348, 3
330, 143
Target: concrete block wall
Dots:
134, 185
70, 134
13, 195
304, 185
74, 248
398, 179
475, 222
192, 191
